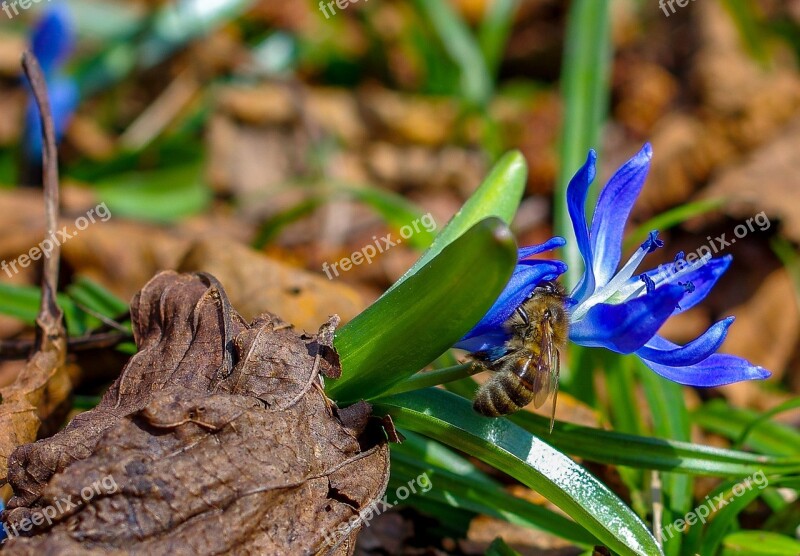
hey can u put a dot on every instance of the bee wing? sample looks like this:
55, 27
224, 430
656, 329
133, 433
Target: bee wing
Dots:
545, 380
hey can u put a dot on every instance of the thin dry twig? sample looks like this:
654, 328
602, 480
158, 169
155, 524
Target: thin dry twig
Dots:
41, 388
50, 314
20, 348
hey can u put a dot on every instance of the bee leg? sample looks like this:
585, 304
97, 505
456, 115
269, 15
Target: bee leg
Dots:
555, 393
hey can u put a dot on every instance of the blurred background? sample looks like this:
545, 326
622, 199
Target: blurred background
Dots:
259, 140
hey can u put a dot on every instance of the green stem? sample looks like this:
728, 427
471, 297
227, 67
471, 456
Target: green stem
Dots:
585, 84
434, 378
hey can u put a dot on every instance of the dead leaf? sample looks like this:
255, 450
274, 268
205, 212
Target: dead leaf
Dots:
216, 437
766, 333
38, 394
258, 283
765, 181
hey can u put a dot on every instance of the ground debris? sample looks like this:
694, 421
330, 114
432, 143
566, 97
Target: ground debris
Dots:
216, 438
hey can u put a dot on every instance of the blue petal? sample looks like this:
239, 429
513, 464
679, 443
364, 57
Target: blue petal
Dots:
716, 370
577, 190
703, 278
493, 344
526, 276
552, 243
626, 327
63, 96
53, 38
613, 208
664, 352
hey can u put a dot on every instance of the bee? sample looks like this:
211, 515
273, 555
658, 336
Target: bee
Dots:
528, 369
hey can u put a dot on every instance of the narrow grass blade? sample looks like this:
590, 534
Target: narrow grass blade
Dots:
494, 31
488, 499
161, 195
585, 84
93, 296
670, 421
723, 520
642, 452
759, 543
500, 548
672, 218
461, 46
766, 437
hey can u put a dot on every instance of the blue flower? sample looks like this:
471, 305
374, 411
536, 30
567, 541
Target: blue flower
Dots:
52, 41
614, 308
488, 335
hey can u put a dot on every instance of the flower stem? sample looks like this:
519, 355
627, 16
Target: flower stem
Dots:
585, 84
434, 378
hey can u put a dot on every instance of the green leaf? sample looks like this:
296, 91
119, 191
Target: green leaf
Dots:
500, 548
498, 196
498, 442
623, 411
272, 227
485, 497
722, 520
93, 296
758, 543
766, 437
788, 405
494, 31
585, 83
438, 455
752, 31
644, 452
413, 324
23, 302
160, 195
671, 421
463, 49
426, 379
398, 213
135, 44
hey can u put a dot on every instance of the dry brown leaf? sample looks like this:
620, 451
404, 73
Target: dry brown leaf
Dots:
766, 181
743, 106
216, 438
766, 333
257, 283
37, 394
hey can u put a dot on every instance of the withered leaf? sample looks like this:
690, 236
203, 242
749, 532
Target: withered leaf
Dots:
216, 438
38, 394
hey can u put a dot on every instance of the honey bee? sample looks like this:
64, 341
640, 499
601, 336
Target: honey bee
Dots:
529, 368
